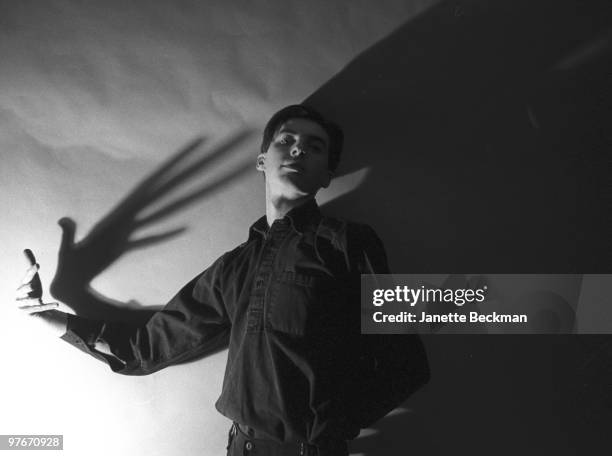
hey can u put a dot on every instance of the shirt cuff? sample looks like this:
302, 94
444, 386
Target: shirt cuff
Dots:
82, 332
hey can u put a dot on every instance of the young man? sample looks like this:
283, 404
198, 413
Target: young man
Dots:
300, 378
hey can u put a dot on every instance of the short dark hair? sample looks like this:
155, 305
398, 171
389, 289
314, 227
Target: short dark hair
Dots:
299, 111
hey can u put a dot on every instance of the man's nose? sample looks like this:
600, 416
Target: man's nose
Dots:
297, 150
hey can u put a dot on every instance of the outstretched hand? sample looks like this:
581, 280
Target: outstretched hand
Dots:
30, 302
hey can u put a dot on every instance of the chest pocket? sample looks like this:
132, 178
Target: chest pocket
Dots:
301, 304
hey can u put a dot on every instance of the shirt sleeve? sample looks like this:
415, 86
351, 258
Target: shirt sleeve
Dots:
194, 323
391, 366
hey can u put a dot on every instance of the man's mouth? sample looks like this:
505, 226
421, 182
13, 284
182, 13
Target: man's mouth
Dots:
294, 167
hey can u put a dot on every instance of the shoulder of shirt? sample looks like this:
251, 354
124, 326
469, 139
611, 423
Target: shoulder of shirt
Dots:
230, 255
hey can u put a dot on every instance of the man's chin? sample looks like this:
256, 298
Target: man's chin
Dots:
295, 183
293, 190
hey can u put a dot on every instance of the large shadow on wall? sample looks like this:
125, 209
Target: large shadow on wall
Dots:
483, 125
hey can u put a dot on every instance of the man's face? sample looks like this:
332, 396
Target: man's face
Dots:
296, 163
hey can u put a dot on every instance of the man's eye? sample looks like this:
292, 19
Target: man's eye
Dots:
284, 140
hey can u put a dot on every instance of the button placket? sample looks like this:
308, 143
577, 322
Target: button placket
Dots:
259, 292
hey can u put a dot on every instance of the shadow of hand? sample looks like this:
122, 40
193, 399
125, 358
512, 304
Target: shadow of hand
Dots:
81, 262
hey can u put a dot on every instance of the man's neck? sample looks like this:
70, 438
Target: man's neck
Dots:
277, 207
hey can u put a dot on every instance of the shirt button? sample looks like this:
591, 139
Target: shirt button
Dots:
248, 446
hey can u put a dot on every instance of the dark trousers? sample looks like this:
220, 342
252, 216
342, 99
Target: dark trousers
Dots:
241, 444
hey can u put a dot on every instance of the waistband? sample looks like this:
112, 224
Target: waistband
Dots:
252, 442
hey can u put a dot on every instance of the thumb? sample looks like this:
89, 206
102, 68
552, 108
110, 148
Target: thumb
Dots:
68, 227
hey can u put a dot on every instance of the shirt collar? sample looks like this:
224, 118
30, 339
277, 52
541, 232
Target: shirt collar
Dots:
299, 217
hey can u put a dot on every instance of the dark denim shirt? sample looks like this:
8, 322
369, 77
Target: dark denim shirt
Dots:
287, 302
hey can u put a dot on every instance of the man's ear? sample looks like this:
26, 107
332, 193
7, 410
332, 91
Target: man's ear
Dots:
261, 160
